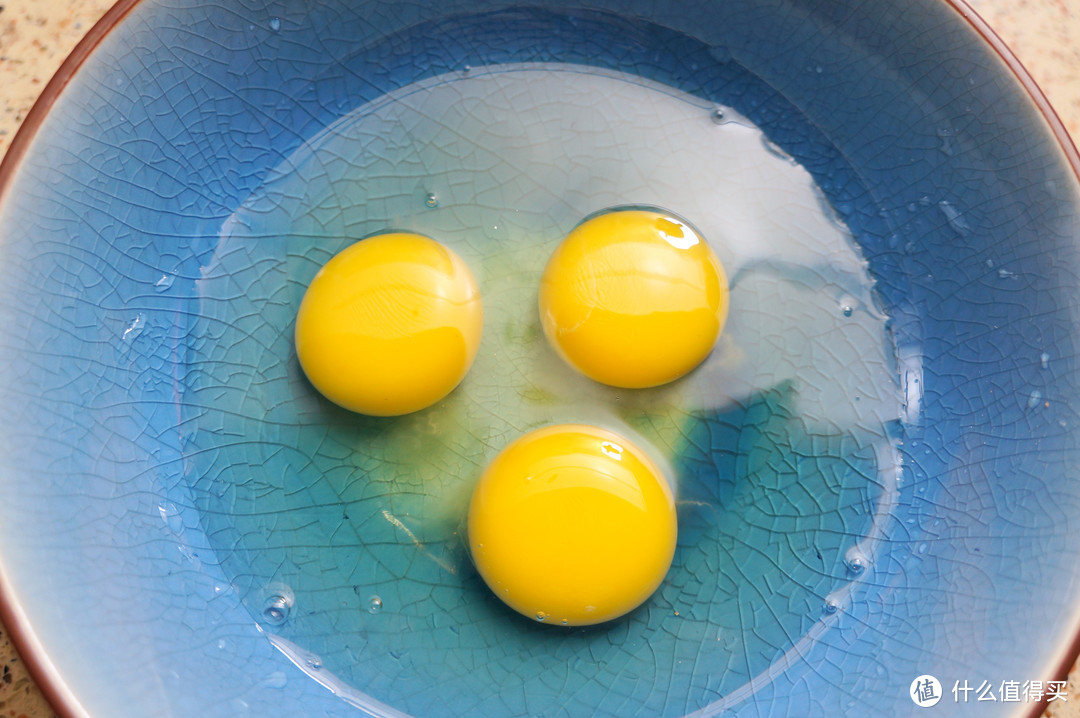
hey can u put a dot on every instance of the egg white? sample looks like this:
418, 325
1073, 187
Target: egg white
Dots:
515, 156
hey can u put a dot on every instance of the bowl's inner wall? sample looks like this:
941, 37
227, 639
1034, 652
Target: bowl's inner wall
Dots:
949, 179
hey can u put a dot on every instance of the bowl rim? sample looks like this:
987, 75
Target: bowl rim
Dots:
30, 650
33, 654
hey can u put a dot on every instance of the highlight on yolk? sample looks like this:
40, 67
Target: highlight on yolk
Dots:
633, 298
572, 525
389, 325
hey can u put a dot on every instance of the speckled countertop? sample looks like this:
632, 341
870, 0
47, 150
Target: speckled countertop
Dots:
36, 36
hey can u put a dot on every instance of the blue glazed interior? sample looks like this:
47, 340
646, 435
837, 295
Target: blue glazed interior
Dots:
123, 449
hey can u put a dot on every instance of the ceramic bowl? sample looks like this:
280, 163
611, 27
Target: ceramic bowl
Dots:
878, 470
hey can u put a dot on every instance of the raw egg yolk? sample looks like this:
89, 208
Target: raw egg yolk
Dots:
633, 298
572, 525
390, 325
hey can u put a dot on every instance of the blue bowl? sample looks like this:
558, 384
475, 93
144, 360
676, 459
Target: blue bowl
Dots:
187, 528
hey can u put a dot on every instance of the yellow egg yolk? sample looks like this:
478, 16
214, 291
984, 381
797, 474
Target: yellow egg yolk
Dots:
633, 298
389, 325
572, 525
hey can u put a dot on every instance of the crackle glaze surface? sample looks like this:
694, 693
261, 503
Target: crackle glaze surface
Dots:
116, 278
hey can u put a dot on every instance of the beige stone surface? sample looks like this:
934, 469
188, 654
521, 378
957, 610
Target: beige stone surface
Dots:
36, 36
1045, 35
